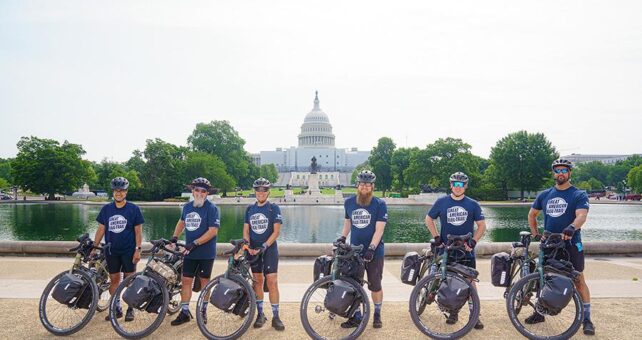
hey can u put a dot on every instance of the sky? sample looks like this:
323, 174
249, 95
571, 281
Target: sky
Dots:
111, 74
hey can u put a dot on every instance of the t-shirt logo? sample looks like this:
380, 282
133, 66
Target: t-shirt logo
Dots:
556, 207
361, 218
192, 221
259, 223
456, 215
117, 224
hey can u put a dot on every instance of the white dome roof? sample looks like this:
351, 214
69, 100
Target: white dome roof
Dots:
316, 130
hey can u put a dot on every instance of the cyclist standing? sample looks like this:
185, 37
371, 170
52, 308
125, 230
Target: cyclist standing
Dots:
458, 214
365, 220
200, 220
566, 212
121, 223
262, 227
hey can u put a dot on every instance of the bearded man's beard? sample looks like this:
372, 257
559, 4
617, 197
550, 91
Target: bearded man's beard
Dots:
364, 199
198, 201
561, 180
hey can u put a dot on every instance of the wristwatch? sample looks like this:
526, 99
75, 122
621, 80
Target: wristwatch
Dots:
139, 248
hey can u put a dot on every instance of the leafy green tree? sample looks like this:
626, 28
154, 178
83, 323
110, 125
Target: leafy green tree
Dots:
595, 184
164, 170
201, 164
400, 162
5, 170
586, 171
269, 172
44, 166
4, 184
136, 162
219, 138
634, 179
523, 160
380, 161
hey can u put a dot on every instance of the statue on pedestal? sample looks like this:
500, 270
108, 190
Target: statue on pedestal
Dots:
314, 167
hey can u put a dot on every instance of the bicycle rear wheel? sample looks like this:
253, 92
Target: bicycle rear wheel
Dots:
521, 303
223, 324
144, 322
320, 323
62, 319
434, 320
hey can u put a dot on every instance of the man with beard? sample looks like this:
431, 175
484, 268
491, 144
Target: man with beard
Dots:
200, 220
365, 219
566, 212
457, 215
121, 223
261, 228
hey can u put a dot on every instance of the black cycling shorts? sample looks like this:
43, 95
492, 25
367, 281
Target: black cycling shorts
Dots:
576, 255
268, 262
120, 263
202, 267
374, 269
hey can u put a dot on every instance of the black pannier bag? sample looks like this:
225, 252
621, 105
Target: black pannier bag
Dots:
500, 265
560, 266
340, 298
241, 307
410, 268
225, 294
353, 268
322, 266
556, 294
155, 304
452, 294
141, 292
67, 289
85, 299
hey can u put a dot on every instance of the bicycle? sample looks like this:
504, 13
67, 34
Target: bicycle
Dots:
436, 303
506, 267
72, 297
232, 297
337, 297
152, 292
560, 322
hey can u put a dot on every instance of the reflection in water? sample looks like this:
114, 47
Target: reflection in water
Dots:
313, 224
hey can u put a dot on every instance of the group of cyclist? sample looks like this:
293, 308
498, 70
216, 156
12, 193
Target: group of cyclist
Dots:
120, 222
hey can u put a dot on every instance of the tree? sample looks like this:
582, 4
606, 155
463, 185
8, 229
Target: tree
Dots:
634, 179
523, 160
380, 161
5, 170
219, 138
595, 169
4, 184
201, 164
43, 166
269, 172
401, 162
164, 170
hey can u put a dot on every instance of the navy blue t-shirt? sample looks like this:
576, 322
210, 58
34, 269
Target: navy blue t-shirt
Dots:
363, 222
119, 226
456, 217
197, 222
261, 222
559, 209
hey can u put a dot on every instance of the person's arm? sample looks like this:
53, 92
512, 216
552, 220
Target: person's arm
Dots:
138, 231
274, 236
207, 236
346, 227
378, 234
246, 232
481, 229
532, 221
178, 230
580, 218
430, 224
100, 233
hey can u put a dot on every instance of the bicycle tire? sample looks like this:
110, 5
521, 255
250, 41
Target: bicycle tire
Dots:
249, 317
42, 305
174, 306
518, 287
415, 315
154, 325
365, 304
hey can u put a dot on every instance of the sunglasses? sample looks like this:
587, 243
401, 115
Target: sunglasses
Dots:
561, 171
365, 184
201, 190
458, 184
261, 189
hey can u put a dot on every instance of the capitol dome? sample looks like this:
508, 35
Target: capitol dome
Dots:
316, 130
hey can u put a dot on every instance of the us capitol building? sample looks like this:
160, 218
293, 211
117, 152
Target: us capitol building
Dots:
316, 139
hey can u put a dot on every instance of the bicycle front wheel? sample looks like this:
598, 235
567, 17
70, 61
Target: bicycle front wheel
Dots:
521, 304
64, 319
220, 324
144, 322
435, 320
321, 323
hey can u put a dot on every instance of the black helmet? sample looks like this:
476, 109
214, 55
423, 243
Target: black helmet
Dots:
459, 177
366, 176
119, 183
562, 162
261, 183
200, 182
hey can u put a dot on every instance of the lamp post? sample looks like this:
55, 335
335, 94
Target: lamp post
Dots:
624, 190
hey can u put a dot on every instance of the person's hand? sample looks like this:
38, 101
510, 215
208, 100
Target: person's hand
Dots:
189, 247
437, 240
568, 232
136, 256
369, 253
537, 238
253, 251
470, 245
341, 240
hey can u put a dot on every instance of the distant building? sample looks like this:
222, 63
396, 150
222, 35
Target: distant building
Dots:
606, 159
315, 140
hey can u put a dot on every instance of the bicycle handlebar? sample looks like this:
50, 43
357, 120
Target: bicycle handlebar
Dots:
162, 243
350, 250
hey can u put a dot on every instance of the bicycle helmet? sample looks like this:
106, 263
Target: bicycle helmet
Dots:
366, 176
459, 177
261, 183
562, 162
119, 183
200, 182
